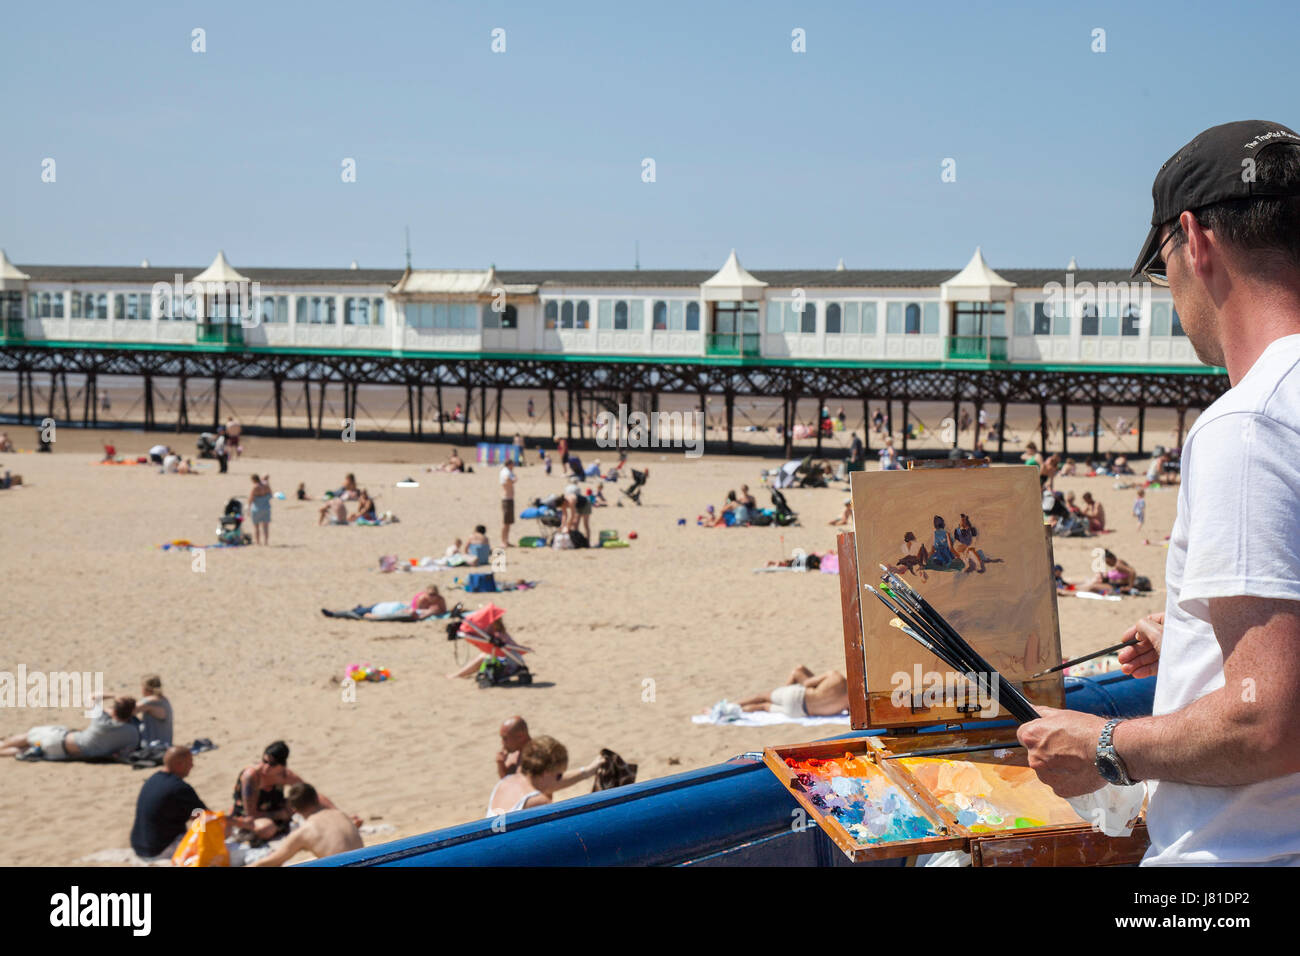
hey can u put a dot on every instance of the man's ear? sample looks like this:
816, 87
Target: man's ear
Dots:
1200, 244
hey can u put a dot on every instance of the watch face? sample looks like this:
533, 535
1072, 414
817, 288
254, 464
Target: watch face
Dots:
1108, 769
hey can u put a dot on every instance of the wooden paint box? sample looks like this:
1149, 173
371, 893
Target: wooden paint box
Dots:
993, 583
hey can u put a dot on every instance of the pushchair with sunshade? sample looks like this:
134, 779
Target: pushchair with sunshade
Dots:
633, 490
230, 532
547, 512
505, 663
782, 514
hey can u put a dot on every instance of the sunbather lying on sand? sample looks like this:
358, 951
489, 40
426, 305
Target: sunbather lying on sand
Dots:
387, 611
804, 695
114, 733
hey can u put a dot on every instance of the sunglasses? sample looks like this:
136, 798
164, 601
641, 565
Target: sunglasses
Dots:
1155, 269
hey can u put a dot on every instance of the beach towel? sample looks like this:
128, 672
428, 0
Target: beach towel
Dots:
721, 715
613, 772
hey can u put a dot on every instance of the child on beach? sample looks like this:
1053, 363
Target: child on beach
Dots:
1140, 507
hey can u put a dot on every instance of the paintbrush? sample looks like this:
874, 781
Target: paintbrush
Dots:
1014, 701
945, 751
1131, 642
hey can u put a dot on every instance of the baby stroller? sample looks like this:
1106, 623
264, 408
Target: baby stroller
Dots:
232, 520
633, 491
783, 515
207, 444
547, 512
505, 665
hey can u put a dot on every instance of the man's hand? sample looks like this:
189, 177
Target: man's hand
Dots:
1143, 659
1062, 748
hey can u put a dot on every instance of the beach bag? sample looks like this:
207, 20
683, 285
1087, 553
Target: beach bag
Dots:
1142, 583
562, 542
204, 843
481, 582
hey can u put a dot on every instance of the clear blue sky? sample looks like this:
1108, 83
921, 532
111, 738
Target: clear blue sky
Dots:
532, 158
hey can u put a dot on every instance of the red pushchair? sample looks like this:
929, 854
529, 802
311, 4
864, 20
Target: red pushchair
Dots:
505, 658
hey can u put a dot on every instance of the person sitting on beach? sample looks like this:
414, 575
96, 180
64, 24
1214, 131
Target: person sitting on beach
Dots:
1030, 455
846, 516
186, 468
804, 694
915, 558
171, 462
110, 451
112, 734
1118, 576
942, 555
302, 491
325, 831
514, 738
349, 491
1094, 512
496, 629
453, 462
1062, 586
429, 600
478, 547
963, 545
365, 508
259, 806
1121, 466
1069, 469
7, 445
541, 772
152, 709
164, 807
334, 511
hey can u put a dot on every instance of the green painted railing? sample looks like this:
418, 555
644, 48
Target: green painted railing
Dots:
219, 333
743, 344
978, 347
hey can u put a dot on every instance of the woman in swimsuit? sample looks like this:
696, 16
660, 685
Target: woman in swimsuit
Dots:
541, 771
963, 543
260, 807
259, 509
1118, 576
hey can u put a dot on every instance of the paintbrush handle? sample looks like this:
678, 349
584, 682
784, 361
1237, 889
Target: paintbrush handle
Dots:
946, 751
1131, 642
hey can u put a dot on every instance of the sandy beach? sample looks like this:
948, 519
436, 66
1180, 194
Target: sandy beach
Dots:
629, 643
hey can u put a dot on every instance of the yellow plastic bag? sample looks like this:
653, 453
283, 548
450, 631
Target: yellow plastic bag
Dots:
204, 843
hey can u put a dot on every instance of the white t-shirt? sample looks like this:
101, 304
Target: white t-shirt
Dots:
171, 463
158, 450
1237, 533
507, 489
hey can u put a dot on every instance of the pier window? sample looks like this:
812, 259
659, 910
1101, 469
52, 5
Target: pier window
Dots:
356, 311
508, 318
1160, 318
659, 317
566, 316
834, 319
692, 317
1090, 321
551, 315
1043, 314
1131, 321
808, 318
45, 305
868, 318
930, 319
676, 316
1024, 324
419, 315
274, 309
775, 317
912, 319
1109, 319
604, 314
316, 310
583, 320
620, 316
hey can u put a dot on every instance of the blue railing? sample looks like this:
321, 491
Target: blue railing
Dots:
734, 813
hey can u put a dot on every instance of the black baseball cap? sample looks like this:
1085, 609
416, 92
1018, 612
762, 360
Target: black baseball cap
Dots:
1213, 168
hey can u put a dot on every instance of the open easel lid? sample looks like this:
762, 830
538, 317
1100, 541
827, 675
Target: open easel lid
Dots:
972, 542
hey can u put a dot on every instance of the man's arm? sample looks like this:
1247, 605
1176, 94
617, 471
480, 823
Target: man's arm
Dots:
1244, 732
288, 847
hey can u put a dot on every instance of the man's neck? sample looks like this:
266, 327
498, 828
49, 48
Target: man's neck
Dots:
1253, 319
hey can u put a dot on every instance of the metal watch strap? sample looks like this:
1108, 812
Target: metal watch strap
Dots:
1106, 743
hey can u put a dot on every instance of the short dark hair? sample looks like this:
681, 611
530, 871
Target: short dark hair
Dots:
123, 707
301, 796
481, 529
278, 752
1268, 227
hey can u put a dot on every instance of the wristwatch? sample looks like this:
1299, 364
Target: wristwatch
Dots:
1109, 764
